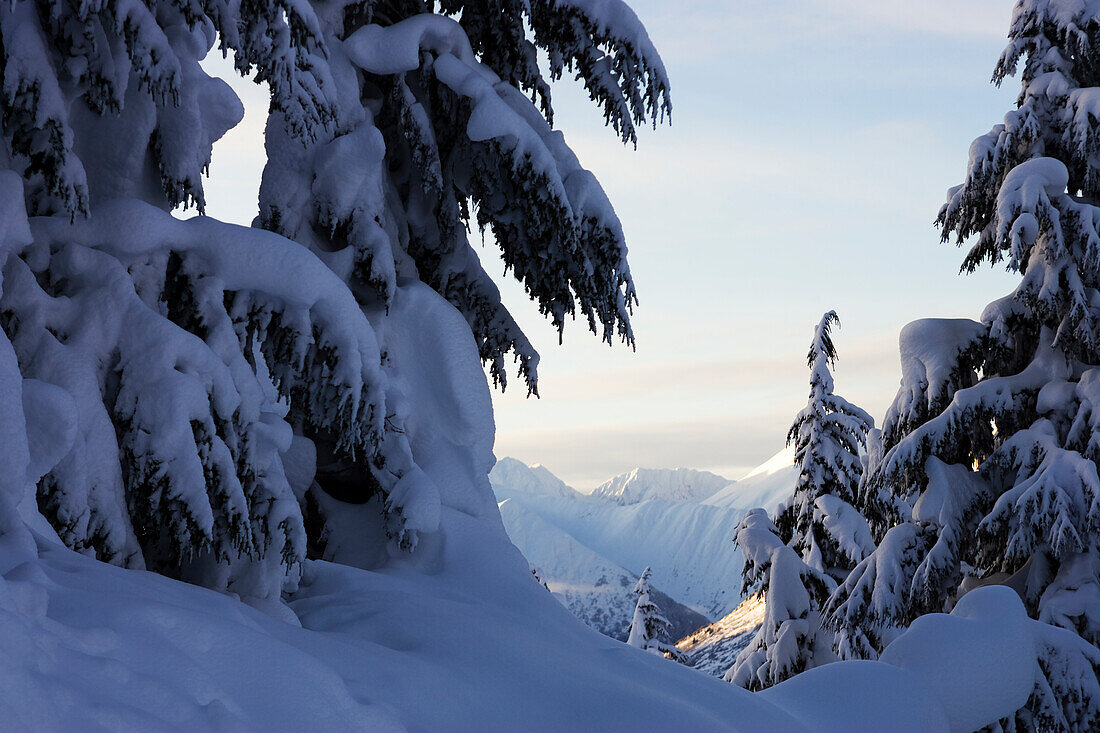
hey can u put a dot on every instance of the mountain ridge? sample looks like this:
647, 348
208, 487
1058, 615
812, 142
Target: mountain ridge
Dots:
669, 484
550, 527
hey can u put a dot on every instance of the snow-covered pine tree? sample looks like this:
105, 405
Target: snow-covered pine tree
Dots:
790, 639
820, 522
428, 139
648, 629
991, 446
154, 435
818, 535
187, 387
433, 135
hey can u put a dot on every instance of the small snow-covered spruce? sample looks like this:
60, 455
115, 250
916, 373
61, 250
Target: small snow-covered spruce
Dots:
207, 396
790, 639
991, 446
819, 522
649, 628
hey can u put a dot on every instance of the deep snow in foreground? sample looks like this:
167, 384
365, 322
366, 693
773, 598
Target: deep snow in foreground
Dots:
474, 645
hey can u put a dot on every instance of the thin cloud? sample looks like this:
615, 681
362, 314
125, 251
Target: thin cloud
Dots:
697, 31
982, 18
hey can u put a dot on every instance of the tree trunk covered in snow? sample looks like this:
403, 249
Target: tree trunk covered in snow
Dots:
204, 400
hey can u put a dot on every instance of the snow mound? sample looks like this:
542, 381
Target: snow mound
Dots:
91, 646
714, 648
669, 484
515, 475
953, 672
977, 661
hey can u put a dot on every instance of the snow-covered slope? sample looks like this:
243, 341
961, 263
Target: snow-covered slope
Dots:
713, 648
596, 590
476, 645
765, 486
669, 484
687, 544
515, 475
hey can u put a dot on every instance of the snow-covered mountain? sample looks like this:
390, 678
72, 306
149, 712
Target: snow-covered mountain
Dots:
687, 544
765, 486
515, 475
713, 648
593, 588
669, 484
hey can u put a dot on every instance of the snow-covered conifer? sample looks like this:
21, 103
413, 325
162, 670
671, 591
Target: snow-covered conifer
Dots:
991, 447
206, 400
790, 638
819, 522
428, 138
435, 133
648, 628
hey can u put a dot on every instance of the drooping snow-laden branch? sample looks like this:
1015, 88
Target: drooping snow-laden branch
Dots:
457, 143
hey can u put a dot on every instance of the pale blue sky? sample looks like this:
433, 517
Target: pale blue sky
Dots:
811, 147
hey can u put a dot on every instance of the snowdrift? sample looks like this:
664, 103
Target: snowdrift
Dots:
474, 645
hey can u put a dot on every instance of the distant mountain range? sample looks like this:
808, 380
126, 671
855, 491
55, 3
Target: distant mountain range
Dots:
590, 549
595, 589
670, 484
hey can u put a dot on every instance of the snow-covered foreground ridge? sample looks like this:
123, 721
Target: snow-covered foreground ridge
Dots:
476, 645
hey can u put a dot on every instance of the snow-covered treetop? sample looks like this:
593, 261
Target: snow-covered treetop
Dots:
1030, 180
827, 435
642, 586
